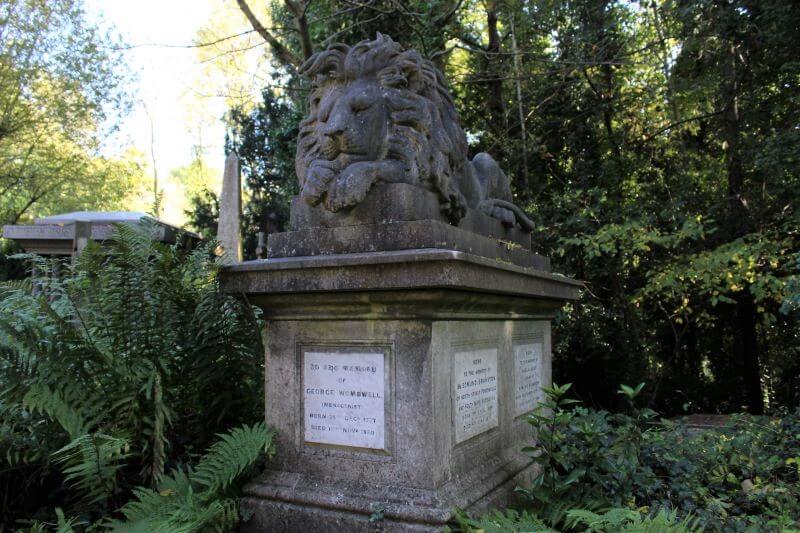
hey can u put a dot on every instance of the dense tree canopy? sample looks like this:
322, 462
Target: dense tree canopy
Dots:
59, 82
654, 142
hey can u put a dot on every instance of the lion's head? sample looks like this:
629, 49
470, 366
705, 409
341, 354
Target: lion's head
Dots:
375, 102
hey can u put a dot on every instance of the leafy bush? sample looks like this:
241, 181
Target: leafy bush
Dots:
123, 366
742, 476
602, 471
613, 521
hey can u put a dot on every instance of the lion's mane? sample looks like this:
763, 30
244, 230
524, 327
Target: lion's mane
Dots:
425, 131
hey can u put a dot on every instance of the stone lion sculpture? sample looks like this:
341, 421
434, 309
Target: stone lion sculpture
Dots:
379, 113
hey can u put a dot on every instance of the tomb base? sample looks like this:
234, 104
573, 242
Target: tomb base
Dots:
279, 501
397, 383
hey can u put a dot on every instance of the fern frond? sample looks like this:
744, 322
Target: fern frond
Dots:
232, 454
16, 285
177, 507
133, 242
61, 525
41, 398
91, 464
666, 521
155, 429
558, 512
509, 521
129, 339
631, 521
576, 517
172, 512
147, 511
64, 524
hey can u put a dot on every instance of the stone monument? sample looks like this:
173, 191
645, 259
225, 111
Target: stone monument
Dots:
408, 320
230, 209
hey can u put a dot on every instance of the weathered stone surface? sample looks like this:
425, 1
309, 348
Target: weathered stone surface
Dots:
95, 217
401, 202
425, 472
293, 502
400, 270
420, 309
378, 113
230, 209
393, 236
399, 216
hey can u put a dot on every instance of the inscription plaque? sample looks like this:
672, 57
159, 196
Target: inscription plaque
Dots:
344, 399
475, 390
527, 377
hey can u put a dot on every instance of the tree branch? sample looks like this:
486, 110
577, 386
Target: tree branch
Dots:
670, 126
283, 54
471, 44
442, 20
298, 9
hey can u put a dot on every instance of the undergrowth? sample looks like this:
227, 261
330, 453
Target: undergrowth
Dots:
631, 471
116, 373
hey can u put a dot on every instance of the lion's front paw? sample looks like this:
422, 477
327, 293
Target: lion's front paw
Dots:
504, 215
316, 183
350, 187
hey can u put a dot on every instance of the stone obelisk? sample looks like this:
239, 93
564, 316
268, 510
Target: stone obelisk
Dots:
230, 209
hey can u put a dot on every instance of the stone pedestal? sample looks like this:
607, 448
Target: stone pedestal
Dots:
397, 382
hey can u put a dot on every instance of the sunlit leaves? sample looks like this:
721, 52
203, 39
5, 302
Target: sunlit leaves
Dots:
59, 81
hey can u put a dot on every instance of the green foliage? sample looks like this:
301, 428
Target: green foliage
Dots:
195, 500
119, 368
612, 521
658, 473
231, 455
654, 144
630, 521
791, 303
61, 525
61, 78
91, 464
500, 522
203, 214
265, 139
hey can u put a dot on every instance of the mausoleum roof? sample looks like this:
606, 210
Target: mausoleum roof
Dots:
101, 217
56, 234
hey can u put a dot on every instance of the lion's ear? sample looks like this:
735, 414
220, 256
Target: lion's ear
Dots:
324, 65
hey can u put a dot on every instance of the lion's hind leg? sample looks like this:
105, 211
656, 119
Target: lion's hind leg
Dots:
494, 182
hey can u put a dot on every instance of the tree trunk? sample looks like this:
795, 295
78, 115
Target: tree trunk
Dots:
523, 130
733, 162
665, 63
298, 9
746, 353
494, 81
746, 349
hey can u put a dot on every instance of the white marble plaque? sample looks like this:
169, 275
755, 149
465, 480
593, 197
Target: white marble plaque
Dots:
475, 390
344, 398
527, 377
